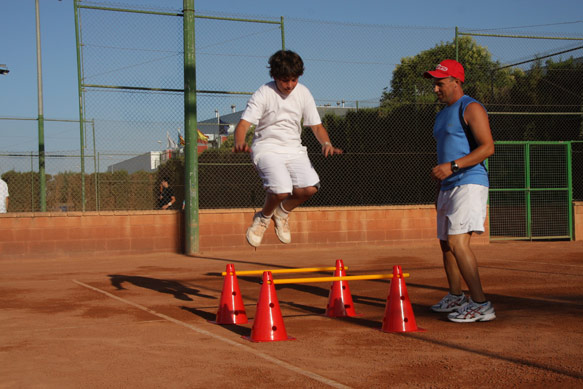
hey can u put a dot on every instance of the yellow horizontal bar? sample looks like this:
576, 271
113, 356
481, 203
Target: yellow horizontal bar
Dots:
326, 279
282, 271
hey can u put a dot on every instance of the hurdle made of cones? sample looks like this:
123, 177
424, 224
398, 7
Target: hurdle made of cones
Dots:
231, 308
268, 323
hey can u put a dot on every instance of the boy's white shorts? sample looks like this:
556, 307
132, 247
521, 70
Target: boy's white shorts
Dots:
281, 172
461, 210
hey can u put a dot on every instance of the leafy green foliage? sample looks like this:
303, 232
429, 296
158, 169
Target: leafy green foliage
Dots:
408, 85
229, 143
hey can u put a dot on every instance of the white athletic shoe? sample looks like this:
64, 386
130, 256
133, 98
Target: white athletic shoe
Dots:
281, 221
473, 312
257, 229
450, 303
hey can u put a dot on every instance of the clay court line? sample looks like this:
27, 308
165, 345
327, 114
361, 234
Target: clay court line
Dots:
538, 263
268, 358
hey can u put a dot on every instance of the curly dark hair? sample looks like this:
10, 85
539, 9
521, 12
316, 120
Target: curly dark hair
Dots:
285, 64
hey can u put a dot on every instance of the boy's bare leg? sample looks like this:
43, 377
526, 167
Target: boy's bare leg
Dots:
298, 196
290, 202
272, 201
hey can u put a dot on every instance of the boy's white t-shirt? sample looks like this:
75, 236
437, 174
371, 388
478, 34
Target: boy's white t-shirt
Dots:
278, 118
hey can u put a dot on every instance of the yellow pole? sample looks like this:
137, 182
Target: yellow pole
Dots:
326, 279
283, 271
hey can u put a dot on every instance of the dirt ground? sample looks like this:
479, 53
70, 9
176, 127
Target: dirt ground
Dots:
143, 322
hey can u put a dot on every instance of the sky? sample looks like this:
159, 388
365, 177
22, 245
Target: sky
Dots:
18, 89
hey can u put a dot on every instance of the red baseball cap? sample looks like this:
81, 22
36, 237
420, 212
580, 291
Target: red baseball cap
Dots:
447, 68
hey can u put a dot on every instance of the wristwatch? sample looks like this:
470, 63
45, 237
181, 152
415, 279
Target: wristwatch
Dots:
454, 167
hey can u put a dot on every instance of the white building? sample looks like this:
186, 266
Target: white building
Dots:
148, 162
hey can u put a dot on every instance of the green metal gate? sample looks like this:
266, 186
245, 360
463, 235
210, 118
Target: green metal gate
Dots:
531, 191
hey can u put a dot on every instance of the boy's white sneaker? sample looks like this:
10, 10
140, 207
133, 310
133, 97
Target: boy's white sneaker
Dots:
257, 229
281, 221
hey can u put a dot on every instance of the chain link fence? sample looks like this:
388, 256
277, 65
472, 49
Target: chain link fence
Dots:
366, 79
530, 190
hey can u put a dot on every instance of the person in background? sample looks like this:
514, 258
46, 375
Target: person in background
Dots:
464, 141
280, 109
166, 196
4, 196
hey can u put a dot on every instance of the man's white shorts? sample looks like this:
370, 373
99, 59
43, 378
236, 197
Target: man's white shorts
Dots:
461, 210
281, 172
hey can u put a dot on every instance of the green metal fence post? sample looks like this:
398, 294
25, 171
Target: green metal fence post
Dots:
282, 35
190, 134
98, 172
79, 91
96, 183
570, 188
31, 183
41, 121
457, 54
527, 192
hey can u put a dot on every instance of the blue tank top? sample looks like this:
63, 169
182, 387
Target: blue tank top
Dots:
452, 144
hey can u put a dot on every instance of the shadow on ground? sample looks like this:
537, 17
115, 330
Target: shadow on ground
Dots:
174, 288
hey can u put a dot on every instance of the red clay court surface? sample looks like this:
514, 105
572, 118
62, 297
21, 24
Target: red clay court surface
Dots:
143, 322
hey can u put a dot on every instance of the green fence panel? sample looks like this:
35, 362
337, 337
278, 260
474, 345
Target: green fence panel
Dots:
530, 191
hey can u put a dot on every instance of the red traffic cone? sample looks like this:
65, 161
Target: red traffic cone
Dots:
231, 308
268, 323
398, 311
340, 300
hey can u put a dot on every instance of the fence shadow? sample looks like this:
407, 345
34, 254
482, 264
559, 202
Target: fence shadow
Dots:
172, 287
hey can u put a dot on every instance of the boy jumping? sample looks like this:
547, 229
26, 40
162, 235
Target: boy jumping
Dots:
277, 109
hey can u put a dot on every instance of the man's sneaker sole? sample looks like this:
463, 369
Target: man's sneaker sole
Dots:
488, 317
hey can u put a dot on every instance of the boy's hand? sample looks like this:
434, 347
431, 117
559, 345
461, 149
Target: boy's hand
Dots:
328, 149
241, 148
240, 131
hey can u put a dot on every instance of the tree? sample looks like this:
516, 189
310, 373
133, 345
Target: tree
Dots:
229, 143
545, 87
408, 85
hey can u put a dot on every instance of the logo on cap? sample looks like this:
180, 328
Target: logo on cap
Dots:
447, 68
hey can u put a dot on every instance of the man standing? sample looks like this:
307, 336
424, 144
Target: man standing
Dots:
3, 196
464, 141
